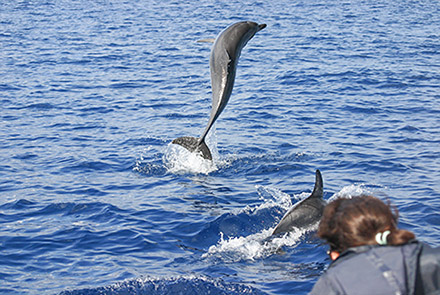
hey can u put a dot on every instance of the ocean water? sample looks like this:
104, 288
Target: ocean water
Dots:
95, 200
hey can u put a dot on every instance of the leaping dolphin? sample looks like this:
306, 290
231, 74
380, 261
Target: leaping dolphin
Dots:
223, 63
305, 212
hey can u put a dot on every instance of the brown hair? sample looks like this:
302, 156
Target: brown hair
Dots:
356, 221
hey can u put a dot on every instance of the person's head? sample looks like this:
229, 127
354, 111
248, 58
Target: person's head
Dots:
357, 221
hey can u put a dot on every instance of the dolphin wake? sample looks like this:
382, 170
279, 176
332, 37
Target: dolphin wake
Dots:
262, 244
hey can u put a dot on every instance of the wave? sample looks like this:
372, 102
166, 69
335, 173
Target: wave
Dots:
172, 285
257, 241
233, 247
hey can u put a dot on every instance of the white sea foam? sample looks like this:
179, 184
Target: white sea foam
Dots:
261, 244
273, 197
179, 160
349, 191
254, 246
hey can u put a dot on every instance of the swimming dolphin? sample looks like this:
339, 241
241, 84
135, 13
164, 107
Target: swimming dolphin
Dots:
305, 212
223, 63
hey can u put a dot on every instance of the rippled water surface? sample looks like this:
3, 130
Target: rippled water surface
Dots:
95, 199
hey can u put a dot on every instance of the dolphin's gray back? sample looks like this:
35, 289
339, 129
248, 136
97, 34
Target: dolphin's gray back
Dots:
303, 214
306, 212
223, 70
224, 59
223, 64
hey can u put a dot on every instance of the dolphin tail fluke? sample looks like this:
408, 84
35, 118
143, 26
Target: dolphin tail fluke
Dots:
194, 145
206, 153
318, 190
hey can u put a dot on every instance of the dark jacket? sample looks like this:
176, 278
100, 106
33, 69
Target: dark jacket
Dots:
413, 268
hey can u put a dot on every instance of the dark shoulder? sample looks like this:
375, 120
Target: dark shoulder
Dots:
429, 257
430, 251
428, 275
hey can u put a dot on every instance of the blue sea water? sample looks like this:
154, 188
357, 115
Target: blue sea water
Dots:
95, 200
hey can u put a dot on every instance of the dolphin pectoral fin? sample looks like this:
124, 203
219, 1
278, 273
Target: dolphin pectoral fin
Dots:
318, 190
230, 66
193, 145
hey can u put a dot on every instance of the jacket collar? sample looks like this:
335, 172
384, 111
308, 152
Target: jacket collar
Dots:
350, 252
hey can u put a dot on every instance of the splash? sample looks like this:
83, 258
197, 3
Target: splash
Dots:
256, 246
179, 160
261, 244
273, 197
349, 191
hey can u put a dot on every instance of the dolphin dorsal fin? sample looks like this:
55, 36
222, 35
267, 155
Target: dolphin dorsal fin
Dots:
318, 190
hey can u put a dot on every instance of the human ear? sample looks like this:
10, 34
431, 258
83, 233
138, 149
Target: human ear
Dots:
334, 255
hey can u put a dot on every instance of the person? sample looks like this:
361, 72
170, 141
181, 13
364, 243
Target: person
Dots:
370, 254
